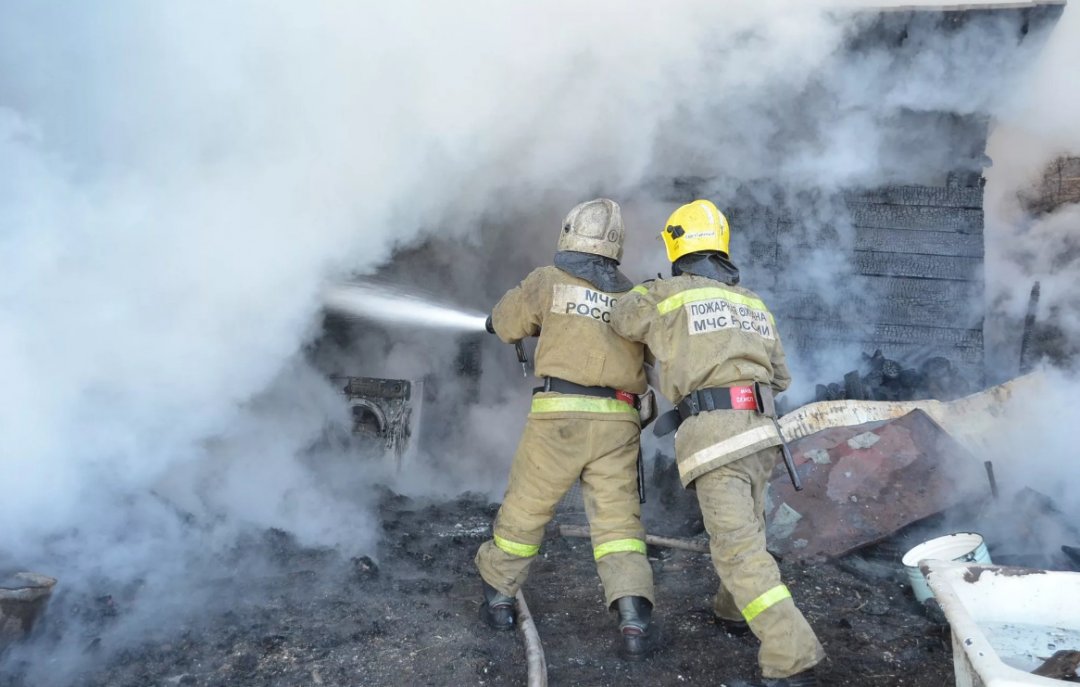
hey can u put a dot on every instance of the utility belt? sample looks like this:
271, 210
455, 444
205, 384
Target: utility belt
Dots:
563, 386
757, 397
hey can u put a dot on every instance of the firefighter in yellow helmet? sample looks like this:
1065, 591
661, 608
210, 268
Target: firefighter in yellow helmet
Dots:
583, 425
720, 359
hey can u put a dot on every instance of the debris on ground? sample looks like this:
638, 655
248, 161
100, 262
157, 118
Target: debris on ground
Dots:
650, 539
883, 379
1061, 666
318, 618
406, 613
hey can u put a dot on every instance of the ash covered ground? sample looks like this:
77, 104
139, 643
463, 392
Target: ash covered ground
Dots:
408, 616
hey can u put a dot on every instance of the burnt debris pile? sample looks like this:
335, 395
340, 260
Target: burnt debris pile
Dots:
883, 379
1060, 185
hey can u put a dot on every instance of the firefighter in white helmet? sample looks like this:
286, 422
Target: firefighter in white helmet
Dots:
583, 425
720, 360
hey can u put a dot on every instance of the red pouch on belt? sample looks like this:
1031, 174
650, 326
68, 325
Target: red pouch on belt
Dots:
743, 398
626, 397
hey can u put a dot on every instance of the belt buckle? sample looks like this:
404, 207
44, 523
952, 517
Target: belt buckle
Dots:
766, 404
707, 401
692, 401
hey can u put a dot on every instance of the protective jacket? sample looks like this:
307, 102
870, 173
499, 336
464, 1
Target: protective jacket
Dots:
704, 333
569, 437
572, 318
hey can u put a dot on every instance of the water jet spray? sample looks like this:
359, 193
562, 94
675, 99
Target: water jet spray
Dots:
392, 305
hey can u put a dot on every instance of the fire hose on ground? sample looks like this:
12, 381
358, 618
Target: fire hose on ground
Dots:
534, 650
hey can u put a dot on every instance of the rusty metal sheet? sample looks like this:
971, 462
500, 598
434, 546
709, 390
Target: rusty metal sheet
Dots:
865, 482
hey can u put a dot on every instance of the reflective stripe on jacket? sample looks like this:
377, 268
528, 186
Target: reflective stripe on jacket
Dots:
704, 333
572, 319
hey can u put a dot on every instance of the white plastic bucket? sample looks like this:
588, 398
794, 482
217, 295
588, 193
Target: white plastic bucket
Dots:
963, 547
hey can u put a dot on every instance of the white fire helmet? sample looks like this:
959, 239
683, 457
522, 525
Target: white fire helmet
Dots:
595, 227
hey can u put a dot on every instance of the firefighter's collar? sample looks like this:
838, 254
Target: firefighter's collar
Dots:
712, 265
601, 272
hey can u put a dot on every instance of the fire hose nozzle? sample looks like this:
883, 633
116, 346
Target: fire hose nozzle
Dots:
489, 326
523, 358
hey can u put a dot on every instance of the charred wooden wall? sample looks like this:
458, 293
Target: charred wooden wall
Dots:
898, 268
1059, 186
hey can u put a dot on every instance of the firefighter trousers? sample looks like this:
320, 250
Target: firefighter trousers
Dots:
552, 455
732, 500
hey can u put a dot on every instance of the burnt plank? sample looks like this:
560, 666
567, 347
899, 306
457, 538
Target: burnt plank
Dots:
758, 278
948, 219
936, 196
967, 358
757, 218
919, 266
884, 309
917, 292
761, 253
876, 263
920, 242
930, 337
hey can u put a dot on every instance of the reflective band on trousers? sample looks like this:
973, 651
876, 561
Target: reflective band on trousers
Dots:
707, 294
515, 549
579, 404
617, 546
765, 601
639, 289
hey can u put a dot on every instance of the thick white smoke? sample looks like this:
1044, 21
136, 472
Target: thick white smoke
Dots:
1039, 125
179, 181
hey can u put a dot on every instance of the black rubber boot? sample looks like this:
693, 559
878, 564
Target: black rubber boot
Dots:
497, 610
807, 678
639, 635
735, 628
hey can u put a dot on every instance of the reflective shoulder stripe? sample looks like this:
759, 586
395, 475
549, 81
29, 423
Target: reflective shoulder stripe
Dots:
515, 549
617, 546
708, 293
765, 601
639, 289
579, 404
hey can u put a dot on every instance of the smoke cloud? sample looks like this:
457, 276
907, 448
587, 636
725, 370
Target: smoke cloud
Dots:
178, 183
1037, 126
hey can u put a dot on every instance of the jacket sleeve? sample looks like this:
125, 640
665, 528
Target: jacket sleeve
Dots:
518, 313
633, 315
781, 378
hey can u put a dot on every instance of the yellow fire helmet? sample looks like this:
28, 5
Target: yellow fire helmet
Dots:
695, 227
